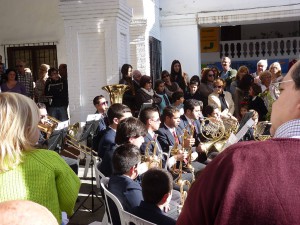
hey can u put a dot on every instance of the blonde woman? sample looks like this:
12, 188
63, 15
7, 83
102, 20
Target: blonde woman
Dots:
39, 91
222, 99
26, 173
275, 70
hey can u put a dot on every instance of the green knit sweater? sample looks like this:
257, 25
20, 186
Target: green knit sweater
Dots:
42, 177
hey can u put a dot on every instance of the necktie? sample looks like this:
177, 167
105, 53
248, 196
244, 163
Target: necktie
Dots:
175, 137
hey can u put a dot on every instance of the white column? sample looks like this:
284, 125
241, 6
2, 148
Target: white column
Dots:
97, 45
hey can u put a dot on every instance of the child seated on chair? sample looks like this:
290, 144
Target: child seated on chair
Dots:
157, 187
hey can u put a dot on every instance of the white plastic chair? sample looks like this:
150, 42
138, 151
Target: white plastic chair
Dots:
130, 218
107, 194
98, 173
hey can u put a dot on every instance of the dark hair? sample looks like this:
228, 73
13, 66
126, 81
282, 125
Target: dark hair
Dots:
191, 104
116, 110
97, 99
194, 82
177, 95
246, 82
172, 68
144, 80
169, 112
194, 79
163, 73
209, 109
129, 128
41, 105
155, 184
256, 89
295, 74
51, 70
146, 114
157, 83
204, 77
124, 70
10, 70
125, 157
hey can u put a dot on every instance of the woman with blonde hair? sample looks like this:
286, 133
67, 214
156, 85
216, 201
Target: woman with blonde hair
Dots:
275, 70
39, 91
27, 173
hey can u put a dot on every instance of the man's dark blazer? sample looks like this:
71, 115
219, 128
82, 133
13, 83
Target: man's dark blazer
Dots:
152, 213
106, 141
259, 106
106, 167
128, 192
166, 138
184, 124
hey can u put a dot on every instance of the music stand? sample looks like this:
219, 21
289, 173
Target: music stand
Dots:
90, 128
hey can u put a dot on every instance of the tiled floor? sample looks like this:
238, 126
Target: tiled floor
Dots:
84, 215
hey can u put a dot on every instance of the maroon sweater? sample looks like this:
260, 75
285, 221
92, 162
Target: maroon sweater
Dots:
248, 183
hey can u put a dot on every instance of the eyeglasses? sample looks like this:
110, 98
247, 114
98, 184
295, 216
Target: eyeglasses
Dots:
218, 86
103, 103
157, 120
275, 87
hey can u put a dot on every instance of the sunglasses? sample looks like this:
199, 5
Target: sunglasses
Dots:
210, 75
103, 103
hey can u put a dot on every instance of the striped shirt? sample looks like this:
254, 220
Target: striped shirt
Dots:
27, 81
290, 129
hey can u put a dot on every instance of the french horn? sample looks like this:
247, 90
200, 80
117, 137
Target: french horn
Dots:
262, 131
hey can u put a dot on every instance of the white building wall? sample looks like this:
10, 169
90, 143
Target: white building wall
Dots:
181, 43
97, 40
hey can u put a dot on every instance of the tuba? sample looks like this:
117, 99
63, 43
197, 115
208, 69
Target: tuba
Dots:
116, 92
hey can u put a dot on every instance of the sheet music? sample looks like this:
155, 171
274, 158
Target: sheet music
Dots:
235, 138
62, 125
92, 117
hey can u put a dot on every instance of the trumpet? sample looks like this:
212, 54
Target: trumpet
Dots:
188, 132
48, 126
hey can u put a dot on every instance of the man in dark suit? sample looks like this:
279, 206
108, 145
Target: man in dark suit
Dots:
115, 114
126, 159
170, 134
130, 130
156, 197
190, 120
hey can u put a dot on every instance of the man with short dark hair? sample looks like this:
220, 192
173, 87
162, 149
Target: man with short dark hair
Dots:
129, 130
254, 182
125, 160
156, 197
178, 99
193, 91
115, 113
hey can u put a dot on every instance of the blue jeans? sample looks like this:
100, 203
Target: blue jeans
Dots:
59, 113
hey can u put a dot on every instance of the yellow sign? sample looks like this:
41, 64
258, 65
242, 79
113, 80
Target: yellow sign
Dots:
209, 37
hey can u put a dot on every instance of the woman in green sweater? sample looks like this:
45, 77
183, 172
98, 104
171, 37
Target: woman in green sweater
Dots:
26, 173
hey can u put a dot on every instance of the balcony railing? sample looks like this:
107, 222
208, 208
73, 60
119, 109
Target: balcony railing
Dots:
261, 48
